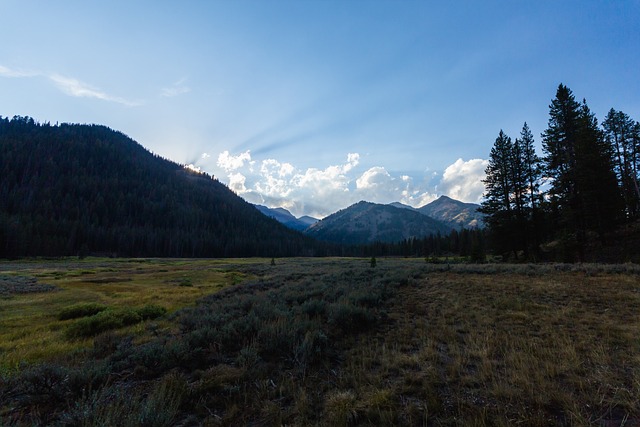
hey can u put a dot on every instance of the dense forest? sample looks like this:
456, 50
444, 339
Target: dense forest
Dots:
85, 189
580, 201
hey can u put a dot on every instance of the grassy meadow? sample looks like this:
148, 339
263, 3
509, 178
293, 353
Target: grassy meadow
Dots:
327, 342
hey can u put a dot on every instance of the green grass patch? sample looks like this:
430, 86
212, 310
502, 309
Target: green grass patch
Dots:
31, 329
103, 321
82, 309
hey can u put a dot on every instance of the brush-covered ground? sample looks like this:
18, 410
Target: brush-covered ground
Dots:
325, 342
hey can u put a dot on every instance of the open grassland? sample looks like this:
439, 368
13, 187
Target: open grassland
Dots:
328, 342
30, 327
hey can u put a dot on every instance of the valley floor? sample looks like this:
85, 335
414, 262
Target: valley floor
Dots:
319, 342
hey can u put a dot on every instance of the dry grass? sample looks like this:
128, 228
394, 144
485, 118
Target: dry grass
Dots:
505, 349
333, 342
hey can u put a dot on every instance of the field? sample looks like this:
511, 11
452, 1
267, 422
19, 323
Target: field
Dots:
325, 342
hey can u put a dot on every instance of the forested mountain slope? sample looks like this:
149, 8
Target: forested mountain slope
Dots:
80, 189
365, 223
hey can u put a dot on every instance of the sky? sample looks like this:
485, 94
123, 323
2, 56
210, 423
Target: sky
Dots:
314, 105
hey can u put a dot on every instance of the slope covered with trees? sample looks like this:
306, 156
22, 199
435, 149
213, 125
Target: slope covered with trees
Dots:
364, 223
86, 189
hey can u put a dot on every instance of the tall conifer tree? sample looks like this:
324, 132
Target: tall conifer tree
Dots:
583, 193
621, 133
532, 173
497, 204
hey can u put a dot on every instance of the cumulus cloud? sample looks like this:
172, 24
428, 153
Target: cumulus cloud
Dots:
321, 191
231, 163
236, 183
69, 86
375, 177
463, 180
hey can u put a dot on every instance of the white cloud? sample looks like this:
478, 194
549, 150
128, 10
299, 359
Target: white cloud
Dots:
231, 163
205, 156
177, 88
69, 86
463, 180
375, 177
320, 192
79, 89
274, 179
8, 72
193, 167
236, 183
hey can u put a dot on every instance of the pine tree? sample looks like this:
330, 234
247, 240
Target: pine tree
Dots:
511, 193
532, 173
622, 134
497, 204
600, 196
583, 193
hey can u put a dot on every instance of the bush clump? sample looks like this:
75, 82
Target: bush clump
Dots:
85, 309
104, 321
150, 312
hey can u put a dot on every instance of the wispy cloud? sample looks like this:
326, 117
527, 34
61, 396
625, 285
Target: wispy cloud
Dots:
79, 89
177, 88
8, 72
69, 86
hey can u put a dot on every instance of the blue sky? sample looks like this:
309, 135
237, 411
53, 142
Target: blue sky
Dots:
316, 104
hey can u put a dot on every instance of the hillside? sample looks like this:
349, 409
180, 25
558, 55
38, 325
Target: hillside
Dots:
86, 189
366, 222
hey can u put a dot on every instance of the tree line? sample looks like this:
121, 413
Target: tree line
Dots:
565, 204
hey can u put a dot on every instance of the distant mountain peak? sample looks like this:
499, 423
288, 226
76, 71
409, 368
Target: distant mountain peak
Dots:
454, 212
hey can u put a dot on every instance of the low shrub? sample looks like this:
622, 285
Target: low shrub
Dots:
81, 310
104, 321
349, 317
150, 312
314, 307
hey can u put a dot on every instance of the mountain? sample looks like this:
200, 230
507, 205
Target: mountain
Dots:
402, 206
366, 222
87, 189
454, 213
308, 220
286, 218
